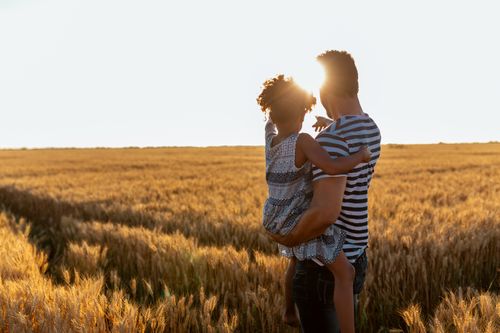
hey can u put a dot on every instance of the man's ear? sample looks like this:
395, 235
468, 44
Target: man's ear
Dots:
325, 100
323, 96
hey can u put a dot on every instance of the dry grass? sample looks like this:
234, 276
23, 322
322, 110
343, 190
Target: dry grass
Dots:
458, 313
154, 231
30, 302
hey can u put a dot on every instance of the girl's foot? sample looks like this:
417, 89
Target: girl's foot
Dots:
290, 318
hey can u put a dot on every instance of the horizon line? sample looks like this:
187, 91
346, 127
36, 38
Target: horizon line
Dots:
222, 146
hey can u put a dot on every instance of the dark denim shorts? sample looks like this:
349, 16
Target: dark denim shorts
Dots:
313, 294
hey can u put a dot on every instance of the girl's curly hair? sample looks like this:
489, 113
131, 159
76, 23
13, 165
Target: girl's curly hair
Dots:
284, 99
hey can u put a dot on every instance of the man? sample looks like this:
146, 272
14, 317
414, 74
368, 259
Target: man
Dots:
340, 199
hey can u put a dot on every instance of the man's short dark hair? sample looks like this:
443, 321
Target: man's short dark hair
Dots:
341, 75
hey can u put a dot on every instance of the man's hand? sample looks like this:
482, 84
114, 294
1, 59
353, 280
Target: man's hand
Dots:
367, 154
286, 240
321, 123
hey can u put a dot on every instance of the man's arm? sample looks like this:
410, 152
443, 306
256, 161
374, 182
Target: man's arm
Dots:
323, 212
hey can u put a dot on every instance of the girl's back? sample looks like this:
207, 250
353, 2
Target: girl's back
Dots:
290, 189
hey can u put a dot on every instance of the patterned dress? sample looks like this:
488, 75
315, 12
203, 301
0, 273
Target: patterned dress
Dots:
290, 194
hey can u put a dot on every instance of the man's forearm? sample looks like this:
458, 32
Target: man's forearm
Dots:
312, 224
323, 212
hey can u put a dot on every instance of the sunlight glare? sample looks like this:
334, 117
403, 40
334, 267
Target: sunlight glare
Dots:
310, 77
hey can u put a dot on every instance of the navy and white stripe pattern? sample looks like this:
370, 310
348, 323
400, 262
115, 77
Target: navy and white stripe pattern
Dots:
290, 194
343, 137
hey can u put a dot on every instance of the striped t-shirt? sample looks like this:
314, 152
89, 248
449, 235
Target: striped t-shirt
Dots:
344, 137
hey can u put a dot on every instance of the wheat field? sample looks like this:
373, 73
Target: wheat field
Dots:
170, 240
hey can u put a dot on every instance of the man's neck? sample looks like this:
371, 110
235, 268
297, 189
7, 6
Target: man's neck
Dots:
347, 107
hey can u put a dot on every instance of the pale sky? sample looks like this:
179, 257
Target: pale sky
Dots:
163, 73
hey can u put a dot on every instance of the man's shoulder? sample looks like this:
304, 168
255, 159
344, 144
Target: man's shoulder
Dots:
336, 145
331, 134
355, 123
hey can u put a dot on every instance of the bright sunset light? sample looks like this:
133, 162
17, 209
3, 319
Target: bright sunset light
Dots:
309, 76
171, 167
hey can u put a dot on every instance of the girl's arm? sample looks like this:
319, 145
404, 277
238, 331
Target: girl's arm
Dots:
270, 130
320, 158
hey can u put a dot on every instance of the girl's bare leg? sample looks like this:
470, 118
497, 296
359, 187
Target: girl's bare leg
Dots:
290, 315
343, 272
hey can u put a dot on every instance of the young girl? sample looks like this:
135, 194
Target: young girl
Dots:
289, 155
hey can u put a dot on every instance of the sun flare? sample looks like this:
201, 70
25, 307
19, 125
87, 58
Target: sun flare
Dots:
309, 77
